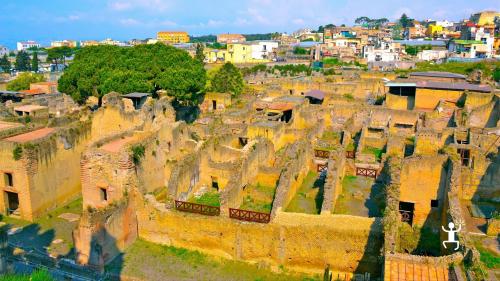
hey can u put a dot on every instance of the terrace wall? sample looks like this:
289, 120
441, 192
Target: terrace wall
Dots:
299, 241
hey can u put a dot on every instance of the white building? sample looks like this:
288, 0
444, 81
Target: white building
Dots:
3, 51
385, 52
432, 55
23, 46
263, 49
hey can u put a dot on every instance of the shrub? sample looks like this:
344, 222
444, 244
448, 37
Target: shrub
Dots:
137, 153
349, 96
17, 153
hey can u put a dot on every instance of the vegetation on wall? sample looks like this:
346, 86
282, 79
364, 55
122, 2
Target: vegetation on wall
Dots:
138, 152
98, 70
23, 81
487, 67
414, 50
17, 153
418, 241
300, 51
283, 70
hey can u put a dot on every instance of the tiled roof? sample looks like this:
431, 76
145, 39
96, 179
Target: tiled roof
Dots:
396, 270
32, 92
29, 107
438, 74
33, 135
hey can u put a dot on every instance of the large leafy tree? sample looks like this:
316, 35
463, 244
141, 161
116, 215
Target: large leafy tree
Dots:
58, 55
5, 64
98, 70
23, 81
371, 23
228, 80
23, 62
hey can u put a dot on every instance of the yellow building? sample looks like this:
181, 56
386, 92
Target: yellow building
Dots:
424, 90
173, 37
484, 18
433, 30
239, 53
215, 55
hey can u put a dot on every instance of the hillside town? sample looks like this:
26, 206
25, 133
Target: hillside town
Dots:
362, 152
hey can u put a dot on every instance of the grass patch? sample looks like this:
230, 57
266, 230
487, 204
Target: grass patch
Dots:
418, 240
488, 258
377, 152
255, 205
37, 275
211, 198
309, 196
330, 136
350, 147
149, 261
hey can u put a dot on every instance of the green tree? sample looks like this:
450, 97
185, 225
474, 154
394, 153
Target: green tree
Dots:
300, 51
23, 81
23, 61
98, 70
496, 74
405, 21
5, 64
228, 80
200, 56
34, 62
321, 29
58, 55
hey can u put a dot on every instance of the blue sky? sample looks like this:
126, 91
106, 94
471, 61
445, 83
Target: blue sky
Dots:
125, 19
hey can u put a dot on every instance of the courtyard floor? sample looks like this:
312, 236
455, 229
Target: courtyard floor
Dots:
309, 196
258, 198
361, 196
50, 234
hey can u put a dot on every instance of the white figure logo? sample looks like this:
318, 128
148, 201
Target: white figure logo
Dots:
451, 235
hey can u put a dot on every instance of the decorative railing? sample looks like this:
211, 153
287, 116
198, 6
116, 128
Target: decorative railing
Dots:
197, 208
372, 173
350, 154
250, 216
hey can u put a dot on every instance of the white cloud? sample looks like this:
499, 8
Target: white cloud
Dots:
68, 18
299, 21
120, 6
152, 5
129, 22
167, 23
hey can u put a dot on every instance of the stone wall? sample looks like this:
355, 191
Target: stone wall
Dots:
420, 186
299, 241
292, 175
102, 234
333, 182
47, 175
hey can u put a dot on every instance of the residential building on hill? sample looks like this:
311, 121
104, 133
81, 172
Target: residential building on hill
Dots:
230, 38
23, 46
173, 37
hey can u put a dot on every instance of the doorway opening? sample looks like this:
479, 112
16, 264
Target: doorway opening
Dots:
406, 210
12, 203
